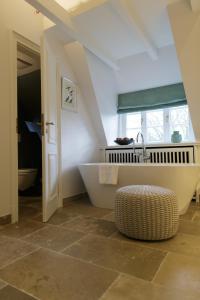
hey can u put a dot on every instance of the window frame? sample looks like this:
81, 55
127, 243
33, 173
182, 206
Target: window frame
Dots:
166, 125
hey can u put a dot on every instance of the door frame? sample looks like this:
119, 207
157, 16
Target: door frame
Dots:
15, 39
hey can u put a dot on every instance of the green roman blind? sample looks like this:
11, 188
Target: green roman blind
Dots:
154, 98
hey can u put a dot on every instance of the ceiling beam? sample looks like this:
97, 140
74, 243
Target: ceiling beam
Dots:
195, 4
58, 15
129, 16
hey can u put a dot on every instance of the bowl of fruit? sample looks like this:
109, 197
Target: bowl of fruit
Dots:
123, 141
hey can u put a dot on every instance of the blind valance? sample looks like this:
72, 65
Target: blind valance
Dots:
154, 98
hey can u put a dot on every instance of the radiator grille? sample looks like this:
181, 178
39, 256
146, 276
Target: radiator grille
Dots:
183, 155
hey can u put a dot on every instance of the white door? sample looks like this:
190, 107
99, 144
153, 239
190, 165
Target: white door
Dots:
49, 139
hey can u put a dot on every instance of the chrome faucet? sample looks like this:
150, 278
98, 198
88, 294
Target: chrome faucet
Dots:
140, 135
145, 156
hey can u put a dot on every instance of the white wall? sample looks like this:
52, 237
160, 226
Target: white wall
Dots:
140, 72
20, 18
100, 91
79, 139
105, 87
78, 61
186, 29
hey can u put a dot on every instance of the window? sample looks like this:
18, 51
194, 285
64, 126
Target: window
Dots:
133, 124
179, 120
158, 125
155, 126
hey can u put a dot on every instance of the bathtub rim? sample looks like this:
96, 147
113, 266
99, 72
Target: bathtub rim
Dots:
141, 164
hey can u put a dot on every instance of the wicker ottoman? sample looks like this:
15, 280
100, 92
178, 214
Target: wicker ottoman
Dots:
146, 212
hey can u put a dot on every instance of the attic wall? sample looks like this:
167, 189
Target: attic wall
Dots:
140, 72
78, 60
106, 90
79, 143
186, 30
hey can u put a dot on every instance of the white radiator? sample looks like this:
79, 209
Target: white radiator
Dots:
183, 155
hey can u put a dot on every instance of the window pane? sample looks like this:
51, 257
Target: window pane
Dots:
133, 120
132, 133
154, 123
154, 118
179, 120
179, 115
155, 134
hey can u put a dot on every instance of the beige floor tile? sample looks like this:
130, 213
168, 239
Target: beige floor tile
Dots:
91, 225
10, 293
21, 229
30, 207
39, 218
2, 284
11, 249
190, 213
182, 243
28, 212
189, 227
110, 217
187, 240
120, 256
188, 244
196, 217
83, 207
52, 276
180, 271
126, 288
35, 202
61, 216
121, 237
54, 237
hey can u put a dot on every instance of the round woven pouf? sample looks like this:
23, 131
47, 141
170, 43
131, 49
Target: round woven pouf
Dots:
146, 212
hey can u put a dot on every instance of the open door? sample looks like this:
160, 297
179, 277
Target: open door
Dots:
50, 129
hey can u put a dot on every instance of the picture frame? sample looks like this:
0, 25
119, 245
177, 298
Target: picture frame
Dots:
69, 95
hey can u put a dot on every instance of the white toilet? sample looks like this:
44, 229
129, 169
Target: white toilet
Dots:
26, 178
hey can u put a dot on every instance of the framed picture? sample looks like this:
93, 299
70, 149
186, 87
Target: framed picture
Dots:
69, 101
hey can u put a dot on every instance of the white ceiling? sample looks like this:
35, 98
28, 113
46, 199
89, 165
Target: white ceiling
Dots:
104, 25
154, 16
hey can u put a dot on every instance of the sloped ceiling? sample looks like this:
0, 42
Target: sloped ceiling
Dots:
104, 24
125, 43
117, 37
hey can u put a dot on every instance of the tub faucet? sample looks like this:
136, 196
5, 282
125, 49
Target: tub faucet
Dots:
145, 156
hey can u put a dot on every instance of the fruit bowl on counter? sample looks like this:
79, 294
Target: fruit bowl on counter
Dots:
123, 141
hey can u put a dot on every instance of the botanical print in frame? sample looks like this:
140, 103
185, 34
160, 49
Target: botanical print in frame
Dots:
69, 100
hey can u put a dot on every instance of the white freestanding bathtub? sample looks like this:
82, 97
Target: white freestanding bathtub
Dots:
180, 178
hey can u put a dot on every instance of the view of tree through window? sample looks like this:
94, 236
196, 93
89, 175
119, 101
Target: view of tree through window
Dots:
179, 120
133, 124
157, 126
154, 125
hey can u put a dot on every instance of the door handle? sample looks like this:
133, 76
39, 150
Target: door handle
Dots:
50, 123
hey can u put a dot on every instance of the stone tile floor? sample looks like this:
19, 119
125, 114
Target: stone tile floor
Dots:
79, 255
